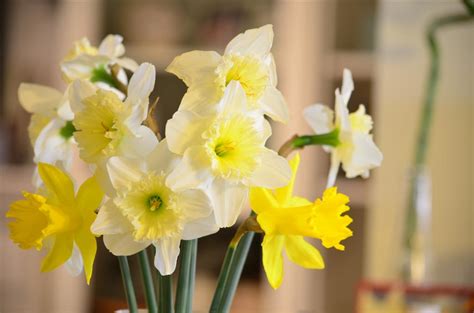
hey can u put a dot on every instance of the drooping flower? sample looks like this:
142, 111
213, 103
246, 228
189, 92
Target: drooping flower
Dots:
59, 217
287, 219
357, 151
106, 126
248, 60
225, 153
87, 62
146, 211
50, 129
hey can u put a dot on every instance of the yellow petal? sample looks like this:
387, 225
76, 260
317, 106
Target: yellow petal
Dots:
302, 253
60, 252
261, 199
272, 247
284, 194
88, 246
89, 196
58, 184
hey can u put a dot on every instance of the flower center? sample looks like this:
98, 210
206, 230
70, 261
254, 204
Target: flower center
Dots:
154, 203
224, 148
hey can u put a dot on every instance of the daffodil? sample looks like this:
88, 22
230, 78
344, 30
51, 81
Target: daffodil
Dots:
106, 126
50, 129
88, 62
286, 219
248, 60
225, 153
357, 151
146, 211
58, 218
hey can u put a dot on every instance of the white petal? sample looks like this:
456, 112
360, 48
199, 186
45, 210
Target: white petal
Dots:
194, 203
82, 66
80, 90
234, 100
128, 64
75, 264
202, 99
184, 130
161, 159
333, 169
347, 85
228, 200
365, 156
39, 99
274, 105
112, 46
123, 244
167, 251
273, 171
110, 221
138, 144
139, 89
200, 228
342, 113
102, 176
192, 172
320, 118
123, 171
270, 62
195, 66
256, 41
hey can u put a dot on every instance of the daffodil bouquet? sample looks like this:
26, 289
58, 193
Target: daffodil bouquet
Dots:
161, 192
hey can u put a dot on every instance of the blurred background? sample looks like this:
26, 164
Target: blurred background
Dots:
381, 41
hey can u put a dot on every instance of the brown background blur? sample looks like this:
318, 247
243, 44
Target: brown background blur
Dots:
381, 41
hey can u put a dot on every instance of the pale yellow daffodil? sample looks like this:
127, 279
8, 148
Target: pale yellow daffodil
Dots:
248, 60
357, 151
59, 217
286, 220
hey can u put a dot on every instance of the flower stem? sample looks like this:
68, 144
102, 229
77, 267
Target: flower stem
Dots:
147, 282
184, 290
299, 142
166, 293
128, 284
230, 274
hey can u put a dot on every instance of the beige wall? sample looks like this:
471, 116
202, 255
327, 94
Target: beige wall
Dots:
400, 79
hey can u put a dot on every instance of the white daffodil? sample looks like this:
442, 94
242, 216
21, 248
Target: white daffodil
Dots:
107, 126
50, 129
248, 60
225, 153
91, 63
357, 151
146, 211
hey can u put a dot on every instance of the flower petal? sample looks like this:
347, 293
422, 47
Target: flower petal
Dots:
192, 67
87, 244
234, 100
139, 89
202, 98
261, 200
365, 156
79, 90
303, 253
167, 251
82, 67
139, 143
273, 172
60, 252
75, 265
112, 46
161, 159
347, 85
128, 64
90, 195
320, 118
124, 244
333, 169
192, 172
284, 194
272, 247
194, 203
257, 41
184, 130
122, 172
110, 221
274, 105
200, 228
57, 182
39, 99
228, 200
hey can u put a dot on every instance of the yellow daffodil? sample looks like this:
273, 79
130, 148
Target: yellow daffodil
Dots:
50, 129
146, 211
248, 60
106, 126
59, 217
286, 220
225, 153
357, 151
85, 61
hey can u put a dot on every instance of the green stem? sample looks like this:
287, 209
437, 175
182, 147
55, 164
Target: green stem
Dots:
128, 284
147, 282
427, 115
192, 277
299, 142
184, 290
222, 279
166, 293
